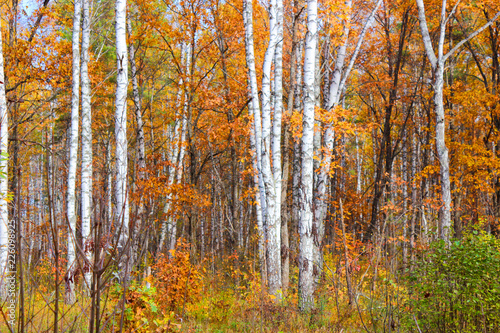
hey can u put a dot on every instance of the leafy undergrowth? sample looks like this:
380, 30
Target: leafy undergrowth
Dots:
182, 297
446, 288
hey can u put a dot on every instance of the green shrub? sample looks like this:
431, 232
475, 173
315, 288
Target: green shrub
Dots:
456, 287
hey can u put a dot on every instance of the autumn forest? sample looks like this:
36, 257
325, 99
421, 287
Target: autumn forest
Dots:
249, 166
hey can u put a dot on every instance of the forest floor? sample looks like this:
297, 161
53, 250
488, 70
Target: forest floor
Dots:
182, 297
445, 288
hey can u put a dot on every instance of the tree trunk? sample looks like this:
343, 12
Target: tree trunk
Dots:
73, 156
255, 134
274, 185
86, 148
306, 232
121, 182
442, 151
140, 155
296, 163
285, 212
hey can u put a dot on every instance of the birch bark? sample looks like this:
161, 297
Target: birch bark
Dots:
73, 154
255, 133
285, 209
267, 134
306, 278
121, 185
86, 146
296, 170
274, 222
265, 149
140, 149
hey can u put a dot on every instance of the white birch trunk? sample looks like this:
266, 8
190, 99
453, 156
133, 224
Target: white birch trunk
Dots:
442, 152
359, 165
437, 64
73, 155
306, 278
255, 134
265, 126
4, 186
406, 179
274, 196
86, 146
140, 148
109, 185
267, 136
297, 147
121, 182
178, 171
140, 155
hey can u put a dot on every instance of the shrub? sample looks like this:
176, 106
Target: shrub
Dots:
141, 312
455, 287
177, 280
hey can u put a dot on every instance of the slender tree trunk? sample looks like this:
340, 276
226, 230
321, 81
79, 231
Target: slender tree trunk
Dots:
406, 179
274, 194
109, 188
306, 279
86, 148
442, 151
140, 155
256, 134
73, 156
296, 167
285, 209
346, 257
121, 182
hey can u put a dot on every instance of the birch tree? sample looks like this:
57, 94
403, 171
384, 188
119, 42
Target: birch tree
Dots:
438, 62
140, 152
306, 261
293, 87
86, 145
255, 133
73, 154
273, 188
267, 134
4, 143
121, 184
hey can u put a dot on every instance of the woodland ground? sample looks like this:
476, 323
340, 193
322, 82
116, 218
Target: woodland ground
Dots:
448, 288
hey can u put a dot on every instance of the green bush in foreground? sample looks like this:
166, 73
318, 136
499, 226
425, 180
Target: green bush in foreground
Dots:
456, 287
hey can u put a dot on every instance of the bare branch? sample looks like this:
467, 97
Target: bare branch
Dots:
425, 34
358, 47
474, 34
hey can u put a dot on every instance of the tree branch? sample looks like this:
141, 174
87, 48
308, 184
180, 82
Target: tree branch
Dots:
474, 34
